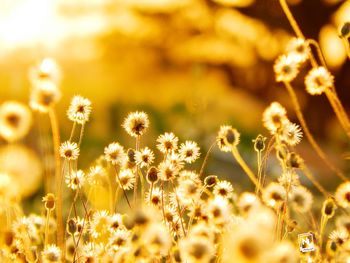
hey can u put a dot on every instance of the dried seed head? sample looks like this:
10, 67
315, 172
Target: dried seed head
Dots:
329, 207
345, 30
294, 160
49, 201
211, 180
227, 138
282, 152
152, 175
131, 155
259, 143
291, 226
71, 226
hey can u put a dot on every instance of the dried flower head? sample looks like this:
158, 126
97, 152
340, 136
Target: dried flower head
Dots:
227, 138
126, 179
152, 175
167, 171
318, 80
69, 150
286, 67
154, 197
136, 123
342, 195
189, 151
75, 179
289, 179
144, 157
167, 142
274, 117
291, 133
115, 154
44, 96
329, 207
15, 120
345, 30
224, 189
49, 201
339, 236
259, 143
79, 110
211, 180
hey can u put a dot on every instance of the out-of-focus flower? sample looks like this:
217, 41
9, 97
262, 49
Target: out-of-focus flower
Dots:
15, 120
286, 67
299, 48
342, 195
27, 176
46, 71
115, 154
75, 180
44, 96
301, 199
274, 117
318, 80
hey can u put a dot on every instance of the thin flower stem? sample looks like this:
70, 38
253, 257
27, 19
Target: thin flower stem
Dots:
323, 224
338, 109
150, 193
259, 159
312, 179
178, 208
110, 194
125, 195
295, 27
347, 47
81, 134
58, 180
308, 134
320, 55
206, 159
48, 212
72, 132
244, 166
142, 186
136, 173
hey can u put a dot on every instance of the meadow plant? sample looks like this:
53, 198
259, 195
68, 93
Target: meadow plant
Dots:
160, 209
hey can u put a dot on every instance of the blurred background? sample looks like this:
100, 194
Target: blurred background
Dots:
192, 65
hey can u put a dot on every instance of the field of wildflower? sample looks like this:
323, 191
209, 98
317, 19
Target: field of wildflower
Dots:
177, 181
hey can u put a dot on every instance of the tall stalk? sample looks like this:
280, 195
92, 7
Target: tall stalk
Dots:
308, 134
58, 180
